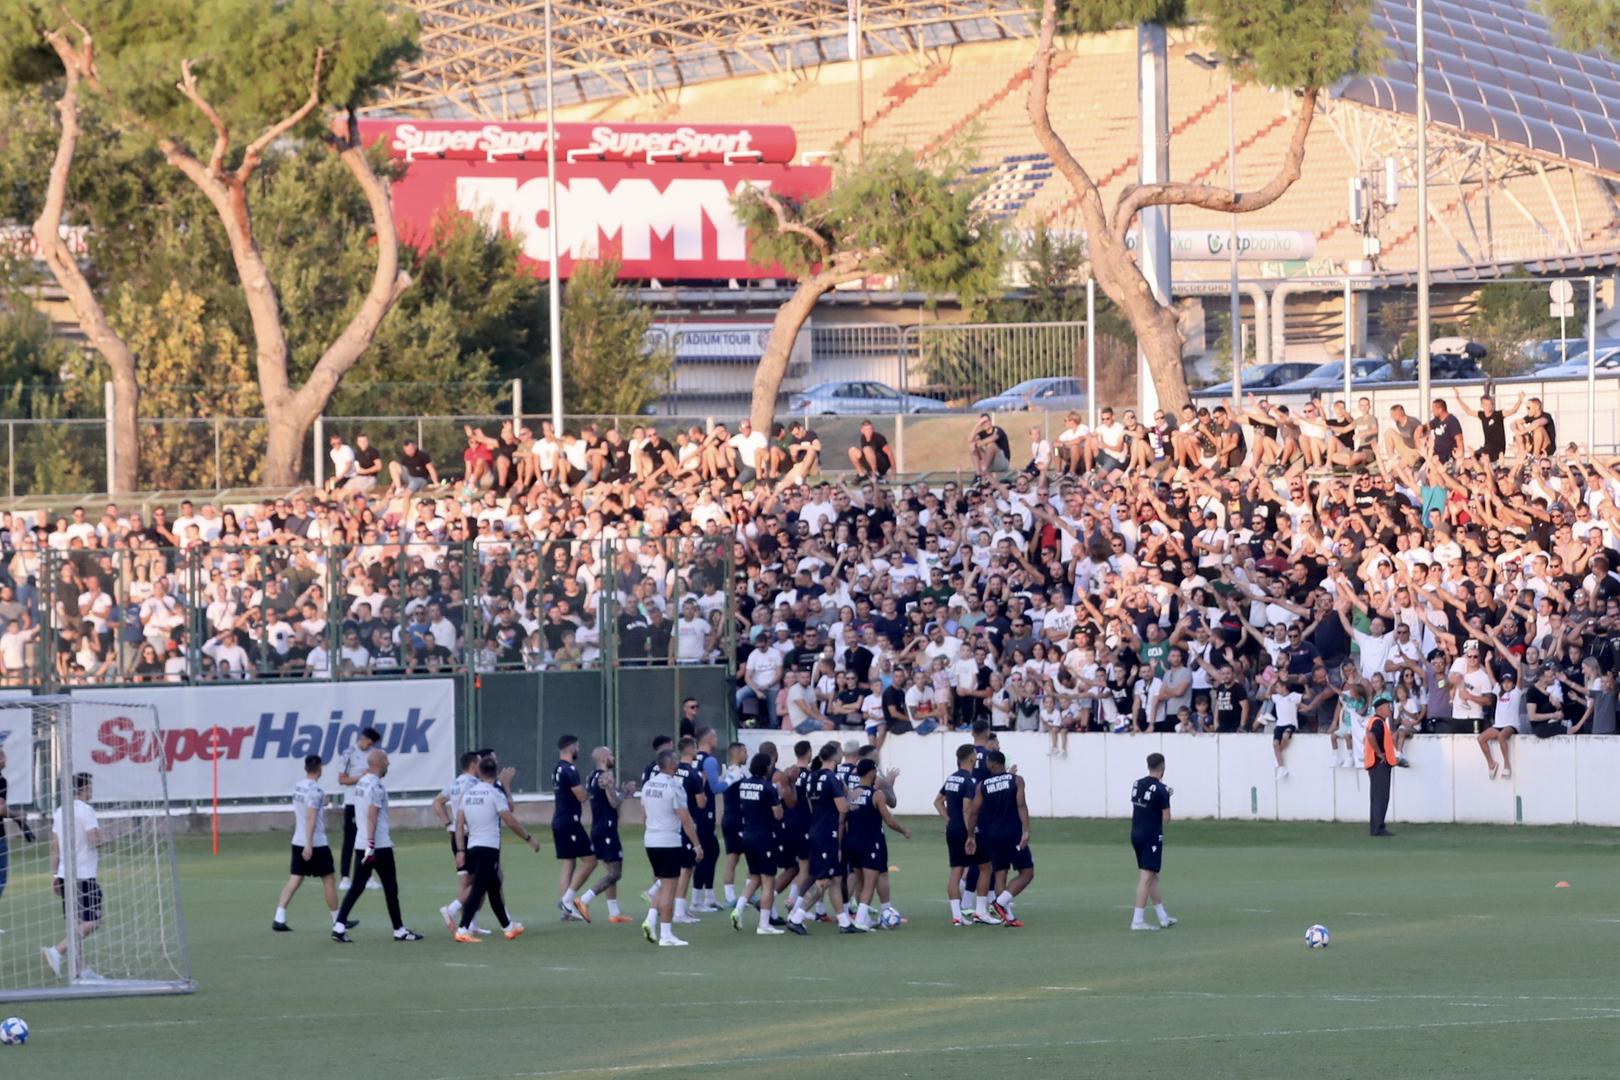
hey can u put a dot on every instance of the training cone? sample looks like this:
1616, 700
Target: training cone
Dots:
894, 869
1562, 885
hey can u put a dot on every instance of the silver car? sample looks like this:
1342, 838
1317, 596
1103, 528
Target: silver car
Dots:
1052, 394
1329, 376
859, 398
1607, 364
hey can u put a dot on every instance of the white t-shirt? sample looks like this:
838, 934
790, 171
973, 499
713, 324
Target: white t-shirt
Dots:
1477, 682
691, 637
747, 446
1287, 708
307, 795
342, 461
1059, 623
1374, 651
764, 668
662, 796
454, 790
84, 852
370, 792
482, 806
1113, 439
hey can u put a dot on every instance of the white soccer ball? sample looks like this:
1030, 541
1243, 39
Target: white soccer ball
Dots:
890, 920
1317, 937
13, 1031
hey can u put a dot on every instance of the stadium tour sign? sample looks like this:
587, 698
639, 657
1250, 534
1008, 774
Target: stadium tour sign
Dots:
655, 196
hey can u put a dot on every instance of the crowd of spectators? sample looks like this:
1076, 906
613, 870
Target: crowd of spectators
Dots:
1221, 570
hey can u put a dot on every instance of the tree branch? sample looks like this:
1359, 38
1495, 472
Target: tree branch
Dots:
1040, 91
255, 150
222, 136
1222, 200
794, 227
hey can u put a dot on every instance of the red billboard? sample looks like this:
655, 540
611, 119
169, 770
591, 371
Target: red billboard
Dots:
655, 196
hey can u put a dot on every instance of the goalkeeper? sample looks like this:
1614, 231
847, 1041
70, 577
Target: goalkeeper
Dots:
6, 813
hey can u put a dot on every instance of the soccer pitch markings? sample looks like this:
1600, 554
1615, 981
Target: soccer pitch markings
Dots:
1231, 991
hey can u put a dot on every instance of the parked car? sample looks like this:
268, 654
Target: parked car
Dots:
1052, 394
1608, 364
1553, 352
859, 398
1326, 377
1260, 377
1449, 366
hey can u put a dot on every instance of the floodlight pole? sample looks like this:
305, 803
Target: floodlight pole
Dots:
1153, 228
1235, 333
1423, 216
554, 271
857, 52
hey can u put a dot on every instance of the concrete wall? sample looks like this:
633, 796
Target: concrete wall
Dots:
1562, 781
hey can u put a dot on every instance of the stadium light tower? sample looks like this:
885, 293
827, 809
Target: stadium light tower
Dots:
1234, 333
1423, 219
1153, 247
553, 278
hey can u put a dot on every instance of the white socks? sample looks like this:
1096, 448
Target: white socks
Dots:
281, 914
613, 909
1158, 909
863, 916
586, 897
1006, 901
731, 894
454, 907
981, 904
1136, 917
568, 896
956, 910
764, 916
665, 932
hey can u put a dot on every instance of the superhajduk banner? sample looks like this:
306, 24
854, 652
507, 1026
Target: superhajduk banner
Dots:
259, 734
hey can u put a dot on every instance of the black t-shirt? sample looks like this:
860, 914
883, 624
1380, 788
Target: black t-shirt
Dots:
757, 796
880, 450
633, 635
566, 806
365, 459
894, 704
1493, 433
416, 464
998, 814
1447, 432
958, 790
1149, 800
1226, 702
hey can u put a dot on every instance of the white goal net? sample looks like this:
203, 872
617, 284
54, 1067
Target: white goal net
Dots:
89, 885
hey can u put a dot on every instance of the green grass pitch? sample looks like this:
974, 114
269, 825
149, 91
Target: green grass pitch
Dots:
1453, 954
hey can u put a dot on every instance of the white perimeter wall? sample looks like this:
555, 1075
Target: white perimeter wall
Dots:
1564, 781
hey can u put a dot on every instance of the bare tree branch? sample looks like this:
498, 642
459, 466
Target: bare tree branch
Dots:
794, 227
1040, 90
222, 136
255, 150
1223, 200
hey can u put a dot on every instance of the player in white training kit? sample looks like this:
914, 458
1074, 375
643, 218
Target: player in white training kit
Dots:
484, 808
445, 806
374, 850
664, 805
86, 858
311, 856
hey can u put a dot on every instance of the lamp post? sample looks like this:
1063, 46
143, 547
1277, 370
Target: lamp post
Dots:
1235, 319
553, 276
1423, 218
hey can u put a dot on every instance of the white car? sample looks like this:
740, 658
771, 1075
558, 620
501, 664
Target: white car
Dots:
1608, 364
859, 398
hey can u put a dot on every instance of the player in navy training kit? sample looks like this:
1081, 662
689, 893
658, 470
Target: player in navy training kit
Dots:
690, 774
954, 803
1150, 809
828, 805
1003, 818
984, 741
794, 876
866, 850
568, 829
758, 798
707, 820
606, 795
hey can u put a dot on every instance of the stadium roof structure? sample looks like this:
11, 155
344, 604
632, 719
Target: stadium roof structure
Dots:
486, 58
1497, 73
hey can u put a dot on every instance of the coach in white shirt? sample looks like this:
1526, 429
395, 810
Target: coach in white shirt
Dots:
375, 847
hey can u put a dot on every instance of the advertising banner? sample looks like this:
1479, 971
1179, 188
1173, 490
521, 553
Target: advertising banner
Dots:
260, 735
17, 743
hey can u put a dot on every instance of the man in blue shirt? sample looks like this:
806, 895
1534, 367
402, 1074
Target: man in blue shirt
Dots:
955, 804
1003, 818
568, 832
1150, 809
828, 806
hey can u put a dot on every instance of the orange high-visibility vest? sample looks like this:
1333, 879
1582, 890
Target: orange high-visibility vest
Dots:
1370, 742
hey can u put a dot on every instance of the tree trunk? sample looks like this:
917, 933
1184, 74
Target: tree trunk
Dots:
773, 362
64, 266
284, 448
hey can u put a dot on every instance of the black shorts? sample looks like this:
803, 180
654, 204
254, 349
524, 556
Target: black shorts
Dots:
731, 828
687, 855
666, 862
571, 840
319, 864
1005, 854
1277, 733
605, 845
866, 853
1149, 852
956, 848
795, 846
825, 860
761, 856
454, 851
89, 900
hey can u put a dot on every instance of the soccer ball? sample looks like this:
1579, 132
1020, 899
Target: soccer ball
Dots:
13, 1031
1317, 937
890, 920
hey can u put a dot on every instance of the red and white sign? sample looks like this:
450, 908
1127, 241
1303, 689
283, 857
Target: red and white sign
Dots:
263, 734
655, 197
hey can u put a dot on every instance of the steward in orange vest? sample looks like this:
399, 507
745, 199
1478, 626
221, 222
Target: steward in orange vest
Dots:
1379, 746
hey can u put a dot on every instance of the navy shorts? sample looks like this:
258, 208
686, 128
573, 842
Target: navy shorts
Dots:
1149, 852
731, 829
89, 900
605, 845
319, 864
688, 853
1005, 854
956, 847
761, 856
825, 859
795, 846
867, 854
571, 840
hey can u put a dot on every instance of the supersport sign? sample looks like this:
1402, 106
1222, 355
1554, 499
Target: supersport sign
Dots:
655, 196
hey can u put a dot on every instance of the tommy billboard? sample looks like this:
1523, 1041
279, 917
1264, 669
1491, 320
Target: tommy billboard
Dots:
260, 736
655, 196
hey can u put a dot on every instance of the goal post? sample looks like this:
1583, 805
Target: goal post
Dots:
89, 881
